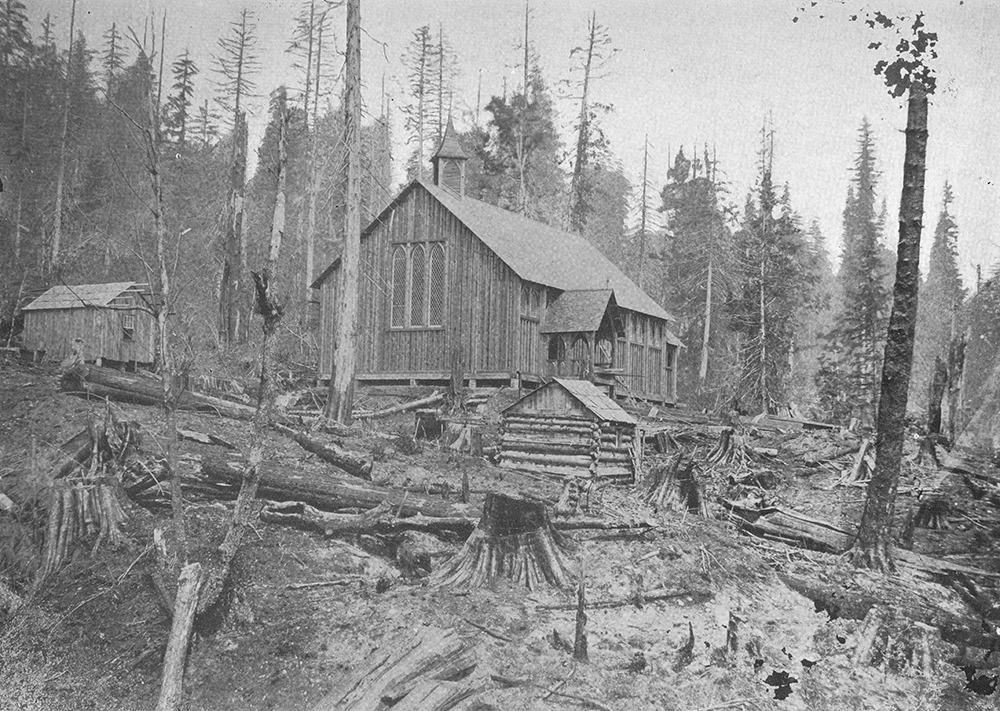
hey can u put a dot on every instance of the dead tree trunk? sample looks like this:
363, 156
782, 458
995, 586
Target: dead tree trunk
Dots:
956, 371
935, 394
185, 604
268, 306
340, 401
873, 546
352, 463
514, 540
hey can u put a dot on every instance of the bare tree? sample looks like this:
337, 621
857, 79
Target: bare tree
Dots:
61, 174
235, 65
341, 398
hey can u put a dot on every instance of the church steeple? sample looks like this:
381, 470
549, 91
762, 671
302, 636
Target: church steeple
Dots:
449, 162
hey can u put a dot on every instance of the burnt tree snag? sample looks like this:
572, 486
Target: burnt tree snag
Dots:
935, 394
513, 540
872, 549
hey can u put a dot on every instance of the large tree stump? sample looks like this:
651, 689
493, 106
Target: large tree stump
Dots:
671, 487
515, 541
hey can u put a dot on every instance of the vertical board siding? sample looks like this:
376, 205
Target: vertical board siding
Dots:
482, 310
53, 331
479, 291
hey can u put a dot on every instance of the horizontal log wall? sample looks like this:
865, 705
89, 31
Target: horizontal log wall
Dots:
568, 446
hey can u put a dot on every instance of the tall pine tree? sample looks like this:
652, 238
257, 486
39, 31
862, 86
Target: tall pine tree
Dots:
851, 369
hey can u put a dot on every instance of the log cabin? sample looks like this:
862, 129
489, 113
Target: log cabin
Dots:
450, 284
112, 320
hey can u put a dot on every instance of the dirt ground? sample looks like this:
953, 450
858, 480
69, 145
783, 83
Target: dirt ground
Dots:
94, 636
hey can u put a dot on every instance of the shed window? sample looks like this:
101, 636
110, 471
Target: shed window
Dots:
398, 317
418, 286
128, 327
437, 290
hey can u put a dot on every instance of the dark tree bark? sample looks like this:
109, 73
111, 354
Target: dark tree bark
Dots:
872, 549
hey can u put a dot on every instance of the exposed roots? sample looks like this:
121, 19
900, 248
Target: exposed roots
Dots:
672, 486
83, 498
513, 541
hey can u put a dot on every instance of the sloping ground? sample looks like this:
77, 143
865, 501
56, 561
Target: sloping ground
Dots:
310, 611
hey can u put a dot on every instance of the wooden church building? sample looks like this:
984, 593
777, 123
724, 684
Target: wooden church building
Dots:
450, 282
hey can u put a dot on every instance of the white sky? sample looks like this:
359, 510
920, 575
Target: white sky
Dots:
688, 70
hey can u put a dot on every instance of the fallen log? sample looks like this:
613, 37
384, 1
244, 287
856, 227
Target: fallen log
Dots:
796, 528
92, 381
280, 482
852, 604
379, 520
433, 399
171, 689
351, 462
398, 670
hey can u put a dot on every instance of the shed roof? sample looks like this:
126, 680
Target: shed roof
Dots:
577, 311
79, 296
590, 396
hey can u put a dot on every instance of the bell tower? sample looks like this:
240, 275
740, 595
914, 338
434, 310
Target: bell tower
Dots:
449, 162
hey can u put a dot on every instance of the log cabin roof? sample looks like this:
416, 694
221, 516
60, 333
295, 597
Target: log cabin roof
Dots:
595, 400
536, 252
80, 296
577, 311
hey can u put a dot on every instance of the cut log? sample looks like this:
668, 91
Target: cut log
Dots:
559, 460
379, 520
92, 381
394, 672
325, 491
515, 541
351, 462
185, 604
434, 399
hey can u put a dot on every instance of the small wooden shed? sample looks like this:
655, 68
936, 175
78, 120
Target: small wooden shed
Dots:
112, 320
569, 427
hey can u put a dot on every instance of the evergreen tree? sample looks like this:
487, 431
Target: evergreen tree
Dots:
773, 283
524, 149
850, 374
941, 297
178, 115
113, 60
698, 261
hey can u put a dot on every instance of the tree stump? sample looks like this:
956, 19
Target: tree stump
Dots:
671, 487
515, 541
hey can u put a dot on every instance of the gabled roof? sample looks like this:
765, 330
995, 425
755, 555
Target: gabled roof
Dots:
536, 252
588, 395
79, 296
450, 146
546, 255
577, 311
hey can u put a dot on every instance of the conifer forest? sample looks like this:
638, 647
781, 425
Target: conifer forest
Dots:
499, 355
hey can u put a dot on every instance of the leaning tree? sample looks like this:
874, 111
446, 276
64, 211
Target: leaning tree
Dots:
907, 73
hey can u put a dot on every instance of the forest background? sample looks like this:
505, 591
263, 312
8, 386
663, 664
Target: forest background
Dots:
741, 163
